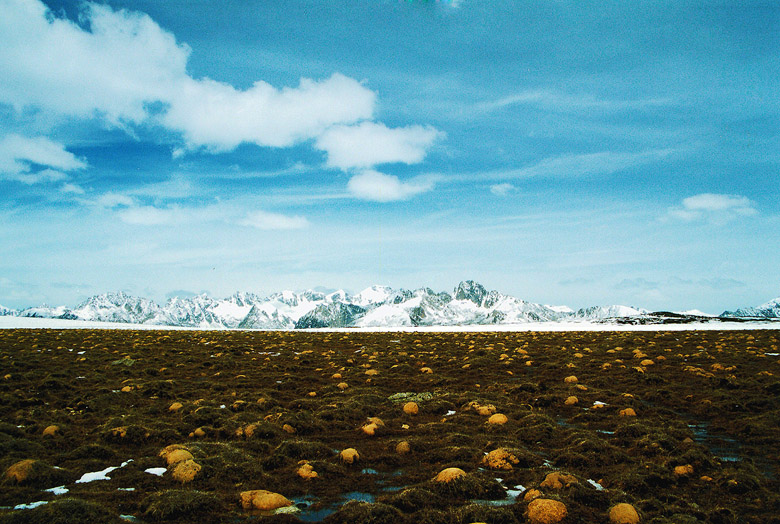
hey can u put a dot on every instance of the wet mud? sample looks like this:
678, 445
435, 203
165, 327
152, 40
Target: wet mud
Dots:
168, 426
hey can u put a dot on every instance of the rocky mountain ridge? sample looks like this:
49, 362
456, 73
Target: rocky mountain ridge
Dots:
377, 306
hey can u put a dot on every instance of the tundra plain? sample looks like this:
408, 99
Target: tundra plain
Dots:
183, 426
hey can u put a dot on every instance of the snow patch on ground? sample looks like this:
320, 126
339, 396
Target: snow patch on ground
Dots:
100, 475
53, 323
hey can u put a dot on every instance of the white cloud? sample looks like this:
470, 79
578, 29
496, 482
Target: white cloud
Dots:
125, 61
129, 70
19, 155
502, 189
369, 143
713, 207
379, 187
45, 175
112, 200
218, 116
273, 221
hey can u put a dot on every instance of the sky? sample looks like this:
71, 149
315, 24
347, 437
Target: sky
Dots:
580, 153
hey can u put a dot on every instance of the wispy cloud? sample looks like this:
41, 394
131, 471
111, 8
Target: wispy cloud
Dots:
573, 165
557, 101
273, 221
713, 207
36, 160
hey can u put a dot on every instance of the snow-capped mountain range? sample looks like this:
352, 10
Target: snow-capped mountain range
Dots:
377, 306
769, 310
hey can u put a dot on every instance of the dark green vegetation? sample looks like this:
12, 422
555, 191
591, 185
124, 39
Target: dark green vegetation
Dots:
257, 404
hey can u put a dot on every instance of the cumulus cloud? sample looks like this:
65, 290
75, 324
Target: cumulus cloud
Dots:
218, 116
124, 61
21, 157
273, 221
128, 70
713, 207
502, 189
369, 143
379, 187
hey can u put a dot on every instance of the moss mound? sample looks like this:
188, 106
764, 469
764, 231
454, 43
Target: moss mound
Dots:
356, 512
174, 504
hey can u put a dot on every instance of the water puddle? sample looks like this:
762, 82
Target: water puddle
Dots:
724, 448
727, 449
310, 510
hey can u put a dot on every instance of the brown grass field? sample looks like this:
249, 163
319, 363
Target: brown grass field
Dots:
682, 426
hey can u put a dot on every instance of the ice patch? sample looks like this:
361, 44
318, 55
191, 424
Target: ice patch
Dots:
125, 489
59, 490
450, 413
599, 403
156, 471
596, 485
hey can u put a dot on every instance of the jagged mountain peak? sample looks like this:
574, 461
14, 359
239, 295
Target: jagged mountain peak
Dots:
470, 290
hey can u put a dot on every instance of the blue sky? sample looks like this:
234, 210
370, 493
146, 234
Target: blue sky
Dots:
575, 153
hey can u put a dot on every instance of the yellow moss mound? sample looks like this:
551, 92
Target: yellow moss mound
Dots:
349, 455
557, 480
449, 474
402, 448
499, 459
20, 471
498, 419
571, 379
623, 514
263, 500
683, 471
546, 511
185, 471
176, 456
51, 431
411, 408
532, 494
306, 471
175, 453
